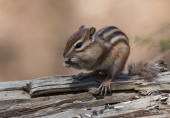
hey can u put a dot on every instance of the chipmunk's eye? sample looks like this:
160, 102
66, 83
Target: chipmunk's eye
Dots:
78, 45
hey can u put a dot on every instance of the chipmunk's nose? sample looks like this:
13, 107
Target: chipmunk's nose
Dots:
65, 55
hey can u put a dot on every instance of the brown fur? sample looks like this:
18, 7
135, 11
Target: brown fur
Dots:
142, 69
76, 36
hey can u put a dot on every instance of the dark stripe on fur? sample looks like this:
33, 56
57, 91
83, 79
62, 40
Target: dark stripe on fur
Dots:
107, 29
107, 51
120, 41
114, 34
104, 55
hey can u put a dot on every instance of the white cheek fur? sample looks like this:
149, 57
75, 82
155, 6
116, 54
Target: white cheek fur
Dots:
74, 59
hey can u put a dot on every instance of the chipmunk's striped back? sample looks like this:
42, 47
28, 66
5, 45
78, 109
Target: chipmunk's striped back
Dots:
112, 35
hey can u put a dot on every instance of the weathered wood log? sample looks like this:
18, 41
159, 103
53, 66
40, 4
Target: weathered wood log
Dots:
136, 108
60, 84
63, 97
158, 116
15, 85
36, 104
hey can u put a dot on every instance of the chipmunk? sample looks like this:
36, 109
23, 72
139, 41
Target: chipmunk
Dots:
103, 51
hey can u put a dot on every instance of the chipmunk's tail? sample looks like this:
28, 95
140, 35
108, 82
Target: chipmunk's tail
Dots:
143, 69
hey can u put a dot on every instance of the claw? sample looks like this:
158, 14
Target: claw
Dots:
101, 92
105, 93
105, 87
100, 87
109, 88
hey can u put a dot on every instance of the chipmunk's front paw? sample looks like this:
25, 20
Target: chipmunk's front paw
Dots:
80, 76
67, 64
105, 87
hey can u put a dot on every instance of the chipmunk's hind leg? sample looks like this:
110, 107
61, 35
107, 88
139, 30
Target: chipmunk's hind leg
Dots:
113, 71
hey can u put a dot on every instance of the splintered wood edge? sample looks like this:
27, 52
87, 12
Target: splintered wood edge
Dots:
13, 85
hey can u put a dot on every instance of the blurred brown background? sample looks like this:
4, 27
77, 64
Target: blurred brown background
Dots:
33, 32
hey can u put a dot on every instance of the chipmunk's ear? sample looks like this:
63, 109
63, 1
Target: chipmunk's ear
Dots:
92, 31
82, 27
